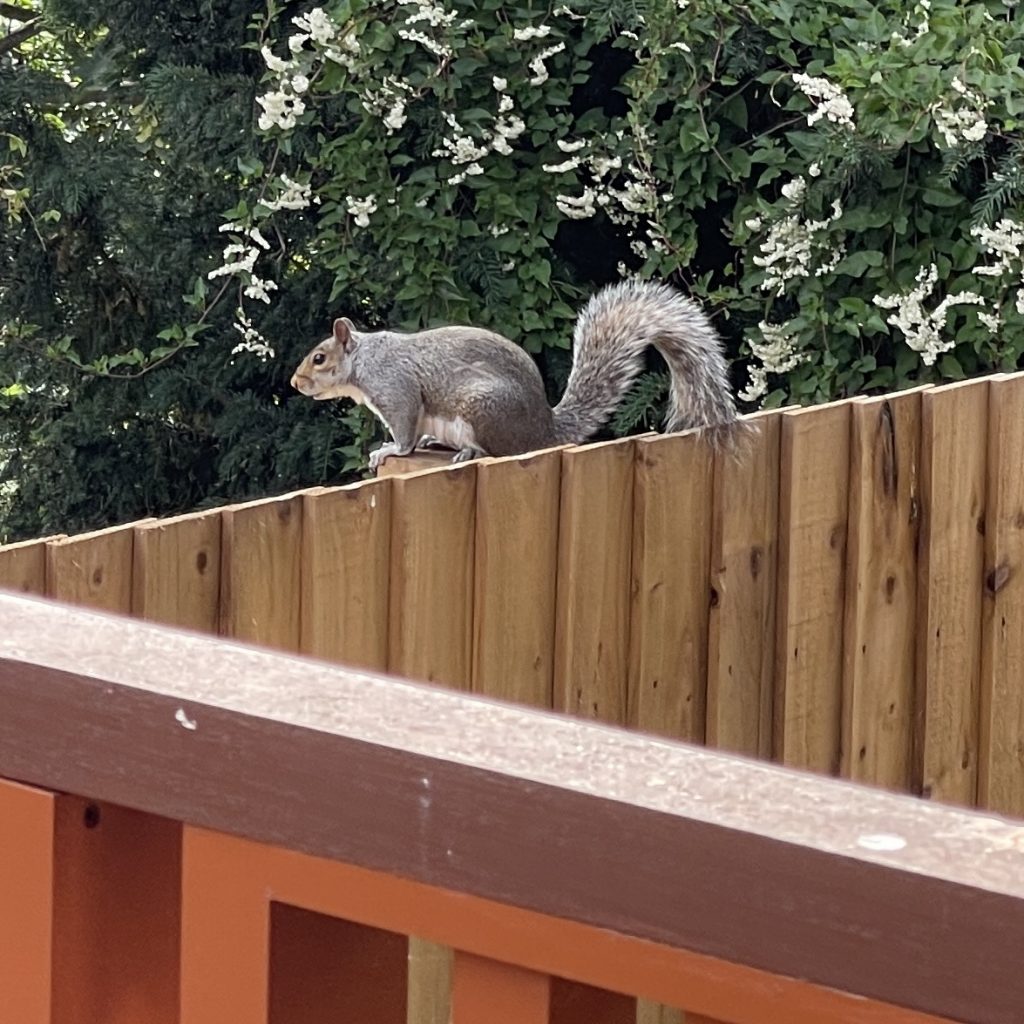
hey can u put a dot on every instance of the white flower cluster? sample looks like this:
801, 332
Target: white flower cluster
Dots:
830, 101
1004, 241
793, 247
252, 341
361, 209
240, 258
922, 330
291, 195
922, 11
963, 120
775, 349
539, 68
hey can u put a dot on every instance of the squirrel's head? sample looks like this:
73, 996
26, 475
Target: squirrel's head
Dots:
327, 370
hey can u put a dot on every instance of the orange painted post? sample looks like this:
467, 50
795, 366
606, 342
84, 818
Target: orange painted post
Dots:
176, 571
346, 554
261, 563
116, 915
488, 991
741, 625
26, 903
23, 566
324, 970
225, 934
593, 607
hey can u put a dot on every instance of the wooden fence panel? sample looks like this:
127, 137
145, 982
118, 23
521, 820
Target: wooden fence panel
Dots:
951, 552
23, 566
1001, 763
430, 637
261, 577
813, 500
741, 637
93, 569
671, 558
346, 563
881, 590
593, 609
517, 502
176, 571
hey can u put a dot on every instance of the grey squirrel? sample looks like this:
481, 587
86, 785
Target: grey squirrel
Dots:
478, 393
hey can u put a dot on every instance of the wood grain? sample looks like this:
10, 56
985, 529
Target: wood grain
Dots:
176, 571
813, 506
951, 556
517, 503
668, 653
93, 570
741, 635
261, 577
593, 605
1001, 763
346, 565
23, 566
881, 591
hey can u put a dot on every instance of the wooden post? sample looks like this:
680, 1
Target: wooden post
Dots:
93, 569
23, 566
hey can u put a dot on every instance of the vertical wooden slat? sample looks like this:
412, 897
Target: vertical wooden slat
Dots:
116, 915
517, 502
430, 633
261, 578
93, 569
346, 556
881, 590
951, 552
1001, 763
225, 940
741, 633
26, 903
430, 636
23, 566
593, 607
669, 594
485, 990
813, 508
176, 571
324, 970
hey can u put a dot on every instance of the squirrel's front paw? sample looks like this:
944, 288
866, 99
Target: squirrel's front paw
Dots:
384, 451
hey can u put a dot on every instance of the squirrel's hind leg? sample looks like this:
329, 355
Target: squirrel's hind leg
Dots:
468, 454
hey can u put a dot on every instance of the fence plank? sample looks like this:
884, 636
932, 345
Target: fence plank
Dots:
593, 608
23, 566
954, 426
176, 571
93, 569
1001, 762
881, 590
261, 578
671, 558
742, 618
346, 562
517, 502
432, 556
813, 500
430, 637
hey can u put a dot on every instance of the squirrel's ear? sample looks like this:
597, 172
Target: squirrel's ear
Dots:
343, 328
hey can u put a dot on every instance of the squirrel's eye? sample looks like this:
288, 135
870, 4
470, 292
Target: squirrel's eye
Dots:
319, 359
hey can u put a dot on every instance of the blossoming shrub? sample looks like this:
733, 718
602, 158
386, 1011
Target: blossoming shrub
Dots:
841, 182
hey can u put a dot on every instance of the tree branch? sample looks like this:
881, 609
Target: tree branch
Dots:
17, 13
13, 39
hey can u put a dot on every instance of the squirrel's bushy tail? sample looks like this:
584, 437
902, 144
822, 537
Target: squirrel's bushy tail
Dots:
611, 334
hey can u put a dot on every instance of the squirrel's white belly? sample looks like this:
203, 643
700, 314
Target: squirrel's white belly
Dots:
453, 433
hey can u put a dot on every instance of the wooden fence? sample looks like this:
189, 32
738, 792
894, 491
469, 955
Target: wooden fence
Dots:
848, 599
195, 832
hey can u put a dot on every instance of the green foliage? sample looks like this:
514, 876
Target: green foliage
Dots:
187, 188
